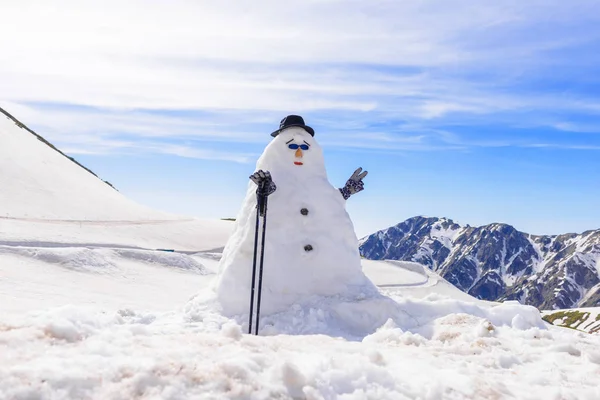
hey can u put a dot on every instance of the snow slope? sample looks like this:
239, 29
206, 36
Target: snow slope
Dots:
40, 183
48, 201
413, 279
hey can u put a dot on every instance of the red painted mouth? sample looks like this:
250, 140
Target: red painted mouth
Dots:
298, 163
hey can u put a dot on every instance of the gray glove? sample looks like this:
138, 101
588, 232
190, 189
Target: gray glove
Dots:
265, 183
354, 184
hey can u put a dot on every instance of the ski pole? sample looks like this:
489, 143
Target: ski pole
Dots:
254, 269
262, 259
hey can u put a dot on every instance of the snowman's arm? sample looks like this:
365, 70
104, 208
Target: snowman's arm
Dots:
354, 184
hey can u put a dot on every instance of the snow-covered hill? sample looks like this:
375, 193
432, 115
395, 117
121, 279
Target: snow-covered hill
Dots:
49, 201
497, 262
89, 310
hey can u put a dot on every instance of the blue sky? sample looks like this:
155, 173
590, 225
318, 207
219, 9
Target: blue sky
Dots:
474, 111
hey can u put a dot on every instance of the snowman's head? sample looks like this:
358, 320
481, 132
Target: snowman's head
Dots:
293, 150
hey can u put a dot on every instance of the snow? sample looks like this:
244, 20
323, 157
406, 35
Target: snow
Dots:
507, 278
445, 235
90, 310
31, 179
123, 349
414, 280
31, 278
48, 201
538, 262
393, 273
452, 350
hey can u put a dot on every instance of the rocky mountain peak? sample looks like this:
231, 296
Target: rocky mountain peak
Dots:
496, 261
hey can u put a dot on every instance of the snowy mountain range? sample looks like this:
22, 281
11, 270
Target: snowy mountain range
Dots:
497, 262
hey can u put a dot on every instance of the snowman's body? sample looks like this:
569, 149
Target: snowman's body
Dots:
310, 246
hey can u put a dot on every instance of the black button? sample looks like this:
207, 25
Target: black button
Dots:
304, 211
308, 247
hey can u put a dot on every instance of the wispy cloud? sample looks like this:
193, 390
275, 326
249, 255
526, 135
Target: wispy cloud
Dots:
562, 146
577, 127
190, 152
226, 72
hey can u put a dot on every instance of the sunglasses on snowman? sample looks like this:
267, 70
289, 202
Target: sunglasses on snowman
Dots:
295, 146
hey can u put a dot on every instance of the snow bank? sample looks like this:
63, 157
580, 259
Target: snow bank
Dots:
73, 352
326, 347
36, 278
353, 318
104, 261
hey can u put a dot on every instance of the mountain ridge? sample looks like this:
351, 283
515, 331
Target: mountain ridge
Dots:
496, 261
48, 201
47, 143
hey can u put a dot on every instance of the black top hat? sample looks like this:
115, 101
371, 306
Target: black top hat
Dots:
293, 120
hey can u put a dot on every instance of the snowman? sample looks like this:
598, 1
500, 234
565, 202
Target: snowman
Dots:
310, 248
